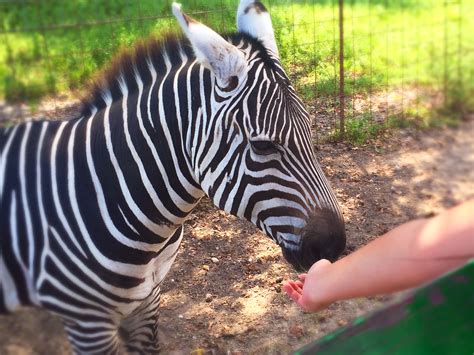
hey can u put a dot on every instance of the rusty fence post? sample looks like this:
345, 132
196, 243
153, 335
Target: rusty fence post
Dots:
342, 119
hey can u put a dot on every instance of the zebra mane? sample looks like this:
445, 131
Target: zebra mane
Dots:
130, 61
137, 59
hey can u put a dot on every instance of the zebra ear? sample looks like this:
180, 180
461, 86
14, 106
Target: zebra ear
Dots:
214, 52
254, 19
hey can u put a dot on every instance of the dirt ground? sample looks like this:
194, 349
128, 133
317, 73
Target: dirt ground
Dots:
223, 294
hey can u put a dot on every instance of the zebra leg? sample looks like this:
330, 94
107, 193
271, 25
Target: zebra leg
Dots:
97, 336
140, 329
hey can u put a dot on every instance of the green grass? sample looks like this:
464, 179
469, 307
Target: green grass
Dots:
53, 46
364, 129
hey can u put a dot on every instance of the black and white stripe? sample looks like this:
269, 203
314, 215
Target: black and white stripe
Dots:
91, 209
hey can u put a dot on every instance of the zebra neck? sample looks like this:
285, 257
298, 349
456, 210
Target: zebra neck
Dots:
185, 119
140, 166
201, 119
153, 137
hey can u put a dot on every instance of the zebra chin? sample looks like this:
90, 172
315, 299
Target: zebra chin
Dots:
323, 237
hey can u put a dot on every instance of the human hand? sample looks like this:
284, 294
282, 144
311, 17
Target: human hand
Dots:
307, 291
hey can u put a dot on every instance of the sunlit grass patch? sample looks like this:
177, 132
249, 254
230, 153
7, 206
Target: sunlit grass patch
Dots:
53, 46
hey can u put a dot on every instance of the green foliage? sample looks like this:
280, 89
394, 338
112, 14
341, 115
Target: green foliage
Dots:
359, 130
459, 100
51, 46
363, 129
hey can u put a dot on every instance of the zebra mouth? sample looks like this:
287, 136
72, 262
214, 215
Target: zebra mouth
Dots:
303, 257
293, 257
323, 237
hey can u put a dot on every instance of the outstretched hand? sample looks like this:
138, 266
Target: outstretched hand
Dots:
305, 291
392, 262
294, 289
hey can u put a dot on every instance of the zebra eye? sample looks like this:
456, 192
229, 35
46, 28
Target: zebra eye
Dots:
264, 147
233, 83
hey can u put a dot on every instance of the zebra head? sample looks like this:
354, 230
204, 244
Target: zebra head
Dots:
256, 158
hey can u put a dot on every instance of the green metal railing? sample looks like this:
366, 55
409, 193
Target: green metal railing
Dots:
437, 319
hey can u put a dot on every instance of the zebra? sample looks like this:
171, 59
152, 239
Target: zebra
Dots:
92, 208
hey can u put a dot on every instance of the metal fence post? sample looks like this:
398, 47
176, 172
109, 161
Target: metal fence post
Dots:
341, 69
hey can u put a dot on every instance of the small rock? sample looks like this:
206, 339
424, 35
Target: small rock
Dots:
208, 297
395, 191
180, 316
250, 260
296, 330
205, 267
226, 331
279, 280
215, 260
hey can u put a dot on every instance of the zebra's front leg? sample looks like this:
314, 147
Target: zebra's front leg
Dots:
93, 336
140, 328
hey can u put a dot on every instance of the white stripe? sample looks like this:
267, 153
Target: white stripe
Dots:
153, 81
54, 185
127, 222
24, 199
44, 223
288, 241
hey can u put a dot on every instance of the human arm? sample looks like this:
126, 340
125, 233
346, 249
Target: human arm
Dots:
413, 253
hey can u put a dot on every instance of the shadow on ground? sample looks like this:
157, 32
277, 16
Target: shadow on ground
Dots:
224, 292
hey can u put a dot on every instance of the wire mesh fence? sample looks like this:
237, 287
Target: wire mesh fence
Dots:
358, 64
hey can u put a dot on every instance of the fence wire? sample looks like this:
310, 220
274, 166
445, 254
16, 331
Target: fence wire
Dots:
357, 64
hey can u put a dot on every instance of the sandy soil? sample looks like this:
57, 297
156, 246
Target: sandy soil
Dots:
223, 294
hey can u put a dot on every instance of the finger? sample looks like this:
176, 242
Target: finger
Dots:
292, 293
299, 284
287, 287
290, 285
296, 287
302, 277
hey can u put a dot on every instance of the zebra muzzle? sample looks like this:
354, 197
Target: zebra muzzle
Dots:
323, 237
